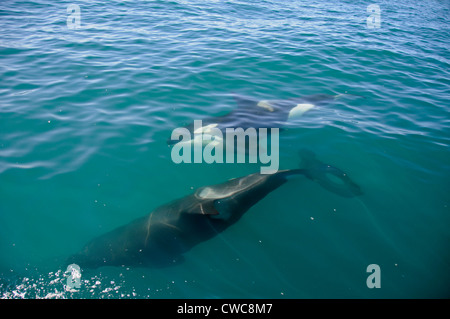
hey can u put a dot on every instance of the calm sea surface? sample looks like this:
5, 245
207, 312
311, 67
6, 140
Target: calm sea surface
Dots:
86, 110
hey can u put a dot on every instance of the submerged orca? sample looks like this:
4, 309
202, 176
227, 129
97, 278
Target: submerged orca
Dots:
251, 113
163, 236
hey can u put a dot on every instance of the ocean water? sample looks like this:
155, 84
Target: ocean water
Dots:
86, 110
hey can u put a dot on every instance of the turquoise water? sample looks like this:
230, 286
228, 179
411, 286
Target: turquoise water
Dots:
85, 114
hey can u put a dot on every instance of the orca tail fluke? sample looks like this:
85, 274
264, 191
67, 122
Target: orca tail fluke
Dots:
329, 177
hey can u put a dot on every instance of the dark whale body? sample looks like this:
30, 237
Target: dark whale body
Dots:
251, 113
162, 237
